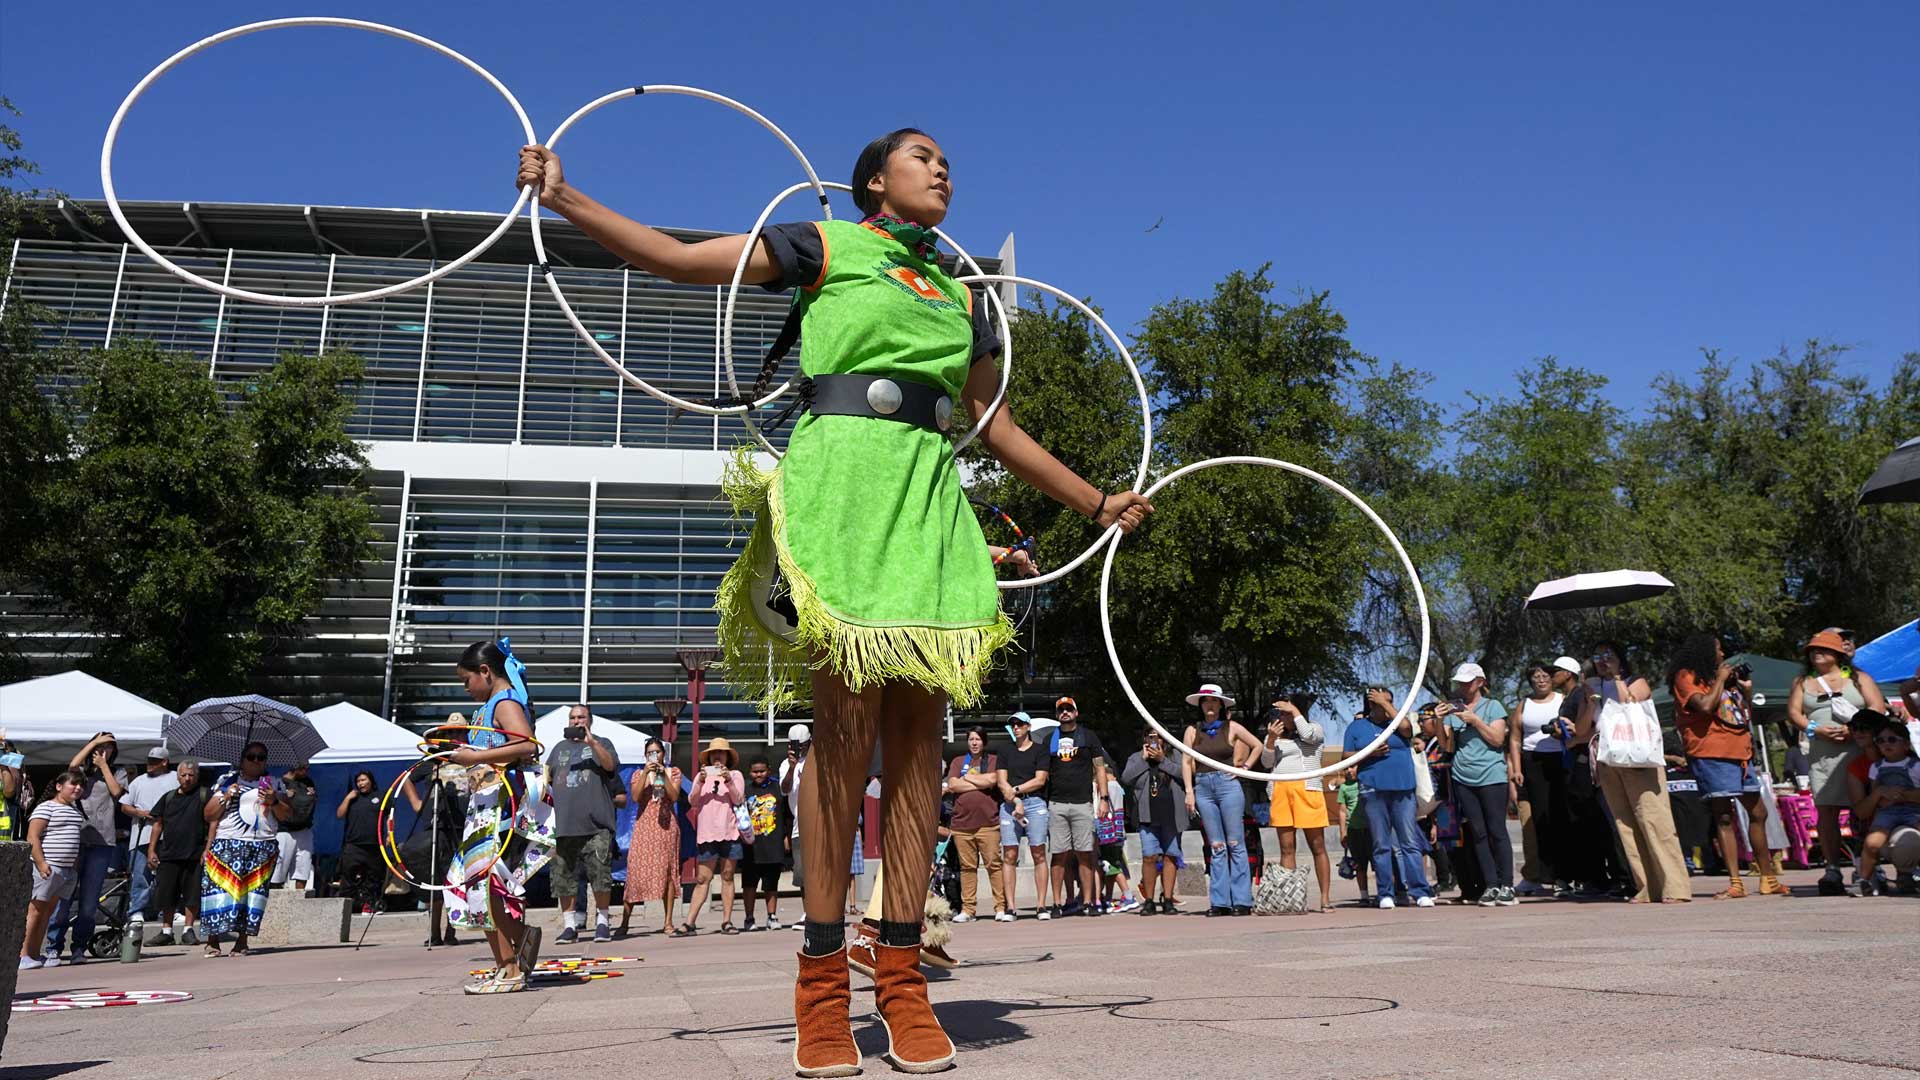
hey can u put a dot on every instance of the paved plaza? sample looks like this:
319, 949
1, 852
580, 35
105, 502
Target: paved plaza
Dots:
1758, 988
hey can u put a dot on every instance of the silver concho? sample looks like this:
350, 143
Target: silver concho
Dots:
883, 395
943, 413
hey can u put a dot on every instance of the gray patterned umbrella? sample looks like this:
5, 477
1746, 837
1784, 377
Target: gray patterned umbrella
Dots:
218, 729
1897, 479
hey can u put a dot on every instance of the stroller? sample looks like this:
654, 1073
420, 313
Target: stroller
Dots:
110, 916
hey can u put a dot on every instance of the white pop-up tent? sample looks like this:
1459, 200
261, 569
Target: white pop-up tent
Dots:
355, 735
629, 744
52, 717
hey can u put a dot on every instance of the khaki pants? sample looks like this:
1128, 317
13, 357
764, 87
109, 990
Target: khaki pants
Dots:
980, 848
1530, 867
1644, 819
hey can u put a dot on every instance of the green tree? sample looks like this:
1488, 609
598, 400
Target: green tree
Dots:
186, 532
34, 426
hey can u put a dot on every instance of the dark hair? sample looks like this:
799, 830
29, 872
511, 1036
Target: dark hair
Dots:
1695, 655
871, 161
975, 730
1537, 665
70, 774
368, 773
1620, 654
483, 653
653, 742
1872, 721
760, 760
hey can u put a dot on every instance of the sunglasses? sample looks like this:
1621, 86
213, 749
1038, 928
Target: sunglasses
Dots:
1890, 740
253, 757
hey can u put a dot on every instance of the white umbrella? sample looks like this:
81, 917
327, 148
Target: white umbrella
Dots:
1596, 590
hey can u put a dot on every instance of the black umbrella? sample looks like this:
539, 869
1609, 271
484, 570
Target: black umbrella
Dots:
218, 729
1897, 480
1596, 590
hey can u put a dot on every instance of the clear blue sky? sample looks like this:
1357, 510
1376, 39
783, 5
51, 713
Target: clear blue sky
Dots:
1475, 186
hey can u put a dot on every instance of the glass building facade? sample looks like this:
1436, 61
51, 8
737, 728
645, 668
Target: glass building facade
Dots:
521, 487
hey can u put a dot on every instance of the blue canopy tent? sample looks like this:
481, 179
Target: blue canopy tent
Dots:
1892, 657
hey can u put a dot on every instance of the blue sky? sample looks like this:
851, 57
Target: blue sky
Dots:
1476, 185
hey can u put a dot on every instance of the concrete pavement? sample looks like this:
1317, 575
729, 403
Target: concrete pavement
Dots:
1757, 988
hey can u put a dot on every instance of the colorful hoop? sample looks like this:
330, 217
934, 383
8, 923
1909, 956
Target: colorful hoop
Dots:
383, 824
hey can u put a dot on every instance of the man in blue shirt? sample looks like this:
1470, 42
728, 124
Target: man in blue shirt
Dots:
1386, 794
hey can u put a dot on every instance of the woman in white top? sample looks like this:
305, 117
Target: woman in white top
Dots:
1818, 706
1537, 754
248, 810
1293, 745
53, 833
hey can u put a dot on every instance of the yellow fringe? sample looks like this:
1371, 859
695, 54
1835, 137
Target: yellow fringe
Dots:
953, 661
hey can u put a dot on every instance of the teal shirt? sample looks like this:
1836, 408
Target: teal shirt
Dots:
1474, 762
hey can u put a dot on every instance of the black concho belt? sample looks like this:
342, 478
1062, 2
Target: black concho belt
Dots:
900, 400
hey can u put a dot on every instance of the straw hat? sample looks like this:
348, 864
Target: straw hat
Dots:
1207, 690
722, 745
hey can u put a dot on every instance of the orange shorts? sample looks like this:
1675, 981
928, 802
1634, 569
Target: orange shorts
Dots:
1295, 807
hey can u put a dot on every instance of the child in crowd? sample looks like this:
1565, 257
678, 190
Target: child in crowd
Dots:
1354, 836
1892, 801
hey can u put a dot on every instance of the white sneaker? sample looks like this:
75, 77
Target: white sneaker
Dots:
1003, 916
963, 917
1386, 903
1425, 901
51, 961
28, 963
1045, 914
773, 922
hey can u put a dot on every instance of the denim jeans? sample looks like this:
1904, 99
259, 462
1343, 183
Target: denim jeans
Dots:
139, 882
1223, 805
1396, 836
90, 871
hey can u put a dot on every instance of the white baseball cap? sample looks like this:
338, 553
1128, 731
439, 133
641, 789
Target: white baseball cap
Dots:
1568, 664
1468, 672
799, 733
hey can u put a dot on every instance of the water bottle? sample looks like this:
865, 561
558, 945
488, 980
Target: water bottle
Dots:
130, 939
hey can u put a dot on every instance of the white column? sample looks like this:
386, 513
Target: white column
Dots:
586, 614
220, 317
13, 259
399, 593
526, 332
719, 310
769, 683
619, 382
113, 308
420, 381
326, 313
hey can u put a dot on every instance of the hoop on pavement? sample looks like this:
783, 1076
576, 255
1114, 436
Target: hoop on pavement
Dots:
1413, 577
103, 999
328, 300
566, 308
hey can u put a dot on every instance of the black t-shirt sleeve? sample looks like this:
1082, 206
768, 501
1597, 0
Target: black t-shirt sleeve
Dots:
986, 329
798, 251
1096, 748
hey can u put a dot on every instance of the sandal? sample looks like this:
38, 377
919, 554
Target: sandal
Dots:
211, 952
729, 929
241, 950
1734, 891
685, 930
494, 984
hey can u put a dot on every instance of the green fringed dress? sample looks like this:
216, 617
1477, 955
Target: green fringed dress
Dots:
885, 563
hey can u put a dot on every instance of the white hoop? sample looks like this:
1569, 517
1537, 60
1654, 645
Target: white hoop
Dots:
181, 272
540, 247
1146, 416
733, 293
1413, 576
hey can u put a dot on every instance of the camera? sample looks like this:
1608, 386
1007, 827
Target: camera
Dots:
1743, 673
575, 732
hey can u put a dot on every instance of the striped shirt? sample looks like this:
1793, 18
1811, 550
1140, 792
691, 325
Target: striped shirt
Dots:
60, 843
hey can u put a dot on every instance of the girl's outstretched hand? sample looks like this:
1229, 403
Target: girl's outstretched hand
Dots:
1128, 508
539, 165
